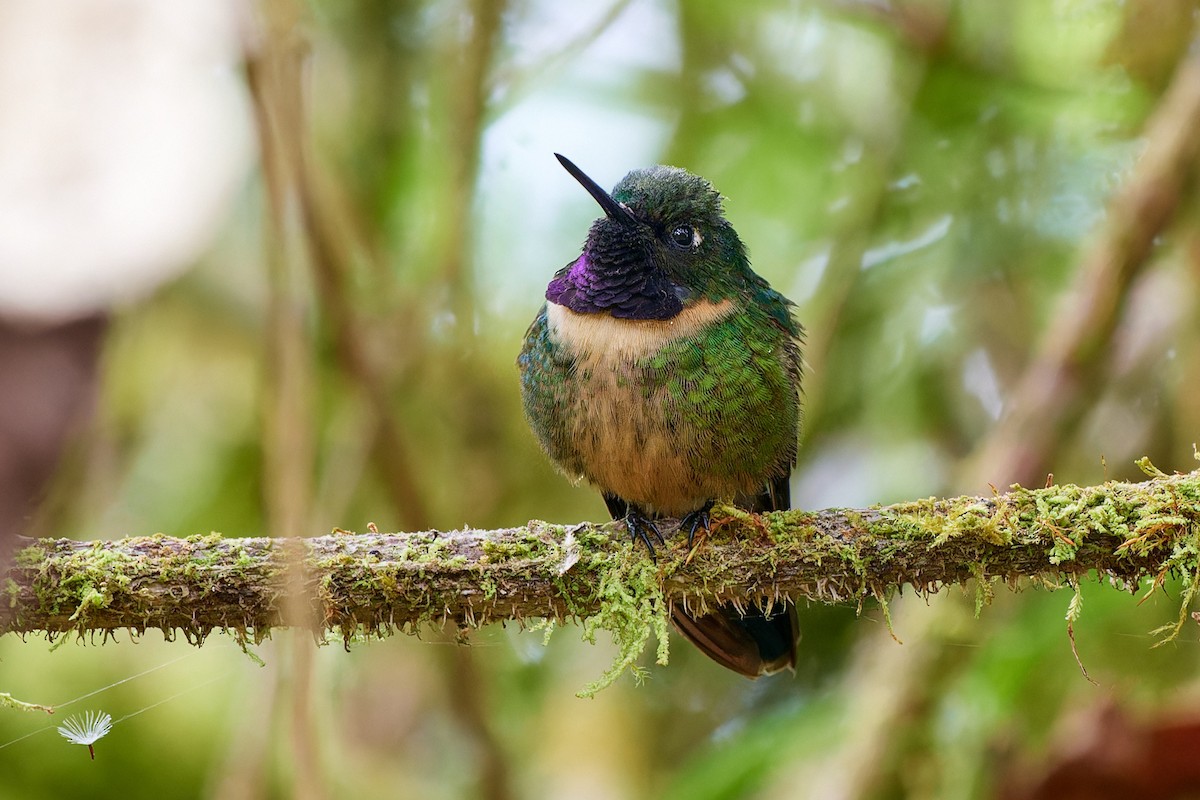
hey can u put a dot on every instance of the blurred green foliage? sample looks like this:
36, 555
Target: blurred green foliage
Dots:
922, 178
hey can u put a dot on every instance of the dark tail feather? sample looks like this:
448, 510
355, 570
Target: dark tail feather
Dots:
754, 643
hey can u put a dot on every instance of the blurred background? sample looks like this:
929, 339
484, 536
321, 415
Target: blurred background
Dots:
265, 269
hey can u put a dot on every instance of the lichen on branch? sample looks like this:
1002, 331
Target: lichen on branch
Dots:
376, 584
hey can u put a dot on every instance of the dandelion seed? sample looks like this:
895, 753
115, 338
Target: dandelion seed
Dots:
95, 726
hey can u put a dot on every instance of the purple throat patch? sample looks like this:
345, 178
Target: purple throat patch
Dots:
626, 293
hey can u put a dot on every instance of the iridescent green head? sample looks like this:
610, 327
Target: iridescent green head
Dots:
662, 244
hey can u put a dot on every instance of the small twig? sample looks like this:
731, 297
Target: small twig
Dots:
1075, 652
8, 701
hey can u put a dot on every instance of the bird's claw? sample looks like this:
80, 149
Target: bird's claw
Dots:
694, 521
640, 527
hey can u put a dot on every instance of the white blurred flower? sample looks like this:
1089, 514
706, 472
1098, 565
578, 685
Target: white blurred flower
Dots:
94, 726
127, 132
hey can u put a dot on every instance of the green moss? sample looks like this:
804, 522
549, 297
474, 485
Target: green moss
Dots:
92, 598
983, 588
632, 607
243, 560
29, 557
87, 578
625, 583
520, 549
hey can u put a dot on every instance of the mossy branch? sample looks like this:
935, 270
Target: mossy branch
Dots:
377, 583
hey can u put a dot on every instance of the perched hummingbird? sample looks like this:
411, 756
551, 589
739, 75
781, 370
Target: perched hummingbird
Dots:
666, 373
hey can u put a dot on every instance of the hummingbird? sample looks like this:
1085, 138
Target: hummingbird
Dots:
664, 372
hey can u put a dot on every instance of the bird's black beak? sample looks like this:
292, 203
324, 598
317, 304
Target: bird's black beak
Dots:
612, 209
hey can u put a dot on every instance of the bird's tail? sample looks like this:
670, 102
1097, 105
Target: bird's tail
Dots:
754, 642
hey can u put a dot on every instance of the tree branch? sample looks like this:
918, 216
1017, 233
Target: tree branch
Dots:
378, 583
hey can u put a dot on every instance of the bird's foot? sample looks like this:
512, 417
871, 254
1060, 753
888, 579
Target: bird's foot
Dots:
694, 521
640, 529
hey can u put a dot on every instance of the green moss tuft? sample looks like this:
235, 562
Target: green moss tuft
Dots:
30, 557
632, 607
92, 598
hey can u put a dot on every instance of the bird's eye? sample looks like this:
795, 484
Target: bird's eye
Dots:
683, 236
